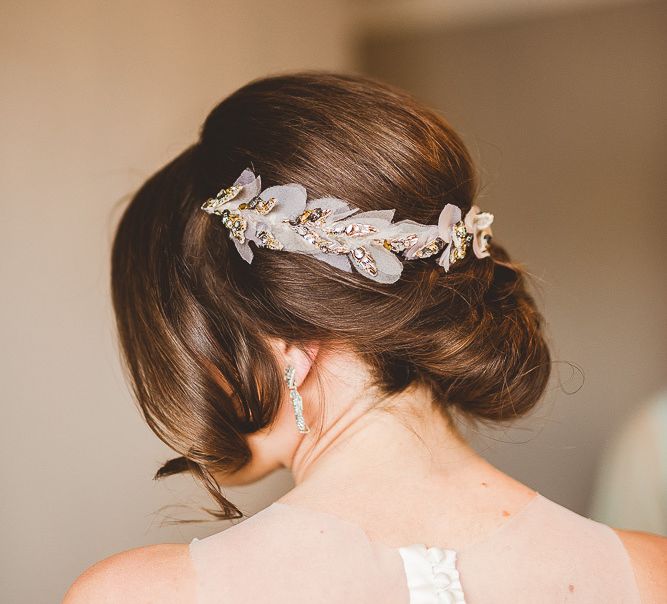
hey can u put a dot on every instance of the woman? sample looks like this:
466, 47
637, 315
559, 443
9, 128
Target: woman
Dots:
268, 321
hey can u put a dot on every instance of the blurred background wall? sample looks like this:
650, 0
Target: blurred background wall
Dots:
560, 102
566, 115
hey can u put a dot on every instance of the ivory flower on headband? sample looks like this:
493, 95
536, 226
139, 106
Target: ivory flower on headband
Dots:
283, 218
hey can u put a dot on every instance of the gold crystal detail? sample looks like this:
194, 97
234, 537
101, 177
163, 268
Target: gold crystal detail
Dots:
310, 215
269, 241
310, 234
459, 246
236, 224
264, 206
430, 249
214, 204
399, 244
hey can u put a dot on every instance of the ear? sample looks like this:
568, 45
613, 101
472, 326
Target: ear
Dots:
301, 360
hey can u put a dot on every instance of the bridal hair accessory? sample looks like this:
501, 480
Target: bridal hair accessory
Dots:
282, 218
297, 401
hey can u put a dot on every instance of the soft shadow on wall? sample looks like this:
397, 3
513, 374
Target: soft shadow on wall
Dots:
564, 114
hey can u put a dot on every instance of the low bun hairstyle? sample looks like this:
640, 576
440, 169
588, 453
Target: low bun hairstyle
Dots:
193, 317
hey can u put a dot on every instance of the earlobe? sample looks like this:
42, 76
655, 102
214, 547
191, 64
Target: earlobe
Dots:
301, 360
297, 364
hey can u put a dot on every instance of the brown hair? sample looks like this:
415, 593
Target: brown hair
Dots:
193, 317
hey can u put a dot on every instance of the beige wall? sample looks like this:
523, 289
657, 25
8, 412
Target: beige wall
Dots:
98, 95
566, 115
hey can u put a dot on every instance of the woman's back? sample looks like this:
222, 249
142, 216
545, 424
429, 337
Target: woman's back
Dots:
290, 553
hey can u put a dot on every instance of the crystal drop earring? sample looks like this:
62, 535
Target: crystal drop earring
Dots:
297, 401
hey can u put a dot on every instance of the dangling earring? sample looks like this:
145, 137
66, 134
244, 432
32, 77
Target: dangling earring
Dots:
297, 401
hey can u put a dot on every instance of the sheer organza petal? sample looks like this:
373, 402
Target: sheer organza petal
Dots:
252, 185
291, 200
246, 177
444, 258
340, 261
385, 215
244, 250
449, 216
424, 236
469, 220
340, 208
389, 267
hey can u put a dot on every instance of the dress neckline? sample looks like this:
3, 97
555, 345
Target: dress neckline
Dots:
524, 510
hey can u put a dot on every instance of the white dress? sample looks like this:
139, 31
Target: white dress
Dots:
291, 554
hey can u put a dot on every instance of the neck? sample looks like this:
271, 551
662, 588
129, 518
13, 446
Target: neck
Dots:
368, 445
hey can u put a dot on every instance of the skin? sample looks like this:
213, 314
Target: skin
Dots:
362, 458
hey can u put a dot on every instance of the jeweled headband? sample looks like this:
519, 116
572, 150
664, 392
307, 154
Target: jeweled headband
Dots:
283, 218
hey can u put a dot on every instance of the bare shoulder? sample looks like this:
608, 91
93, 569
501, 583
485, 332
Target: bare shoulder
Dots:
156, 573
648, 554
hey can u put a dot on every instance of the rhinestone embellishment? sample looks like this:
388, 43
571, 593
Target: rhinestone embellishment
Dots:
261, 206
460, 242
430, 249
281, 217
363, 259
309, 225
213, 205
310, 215
352, 230
325, 244
269, 241
236, 224
398, 245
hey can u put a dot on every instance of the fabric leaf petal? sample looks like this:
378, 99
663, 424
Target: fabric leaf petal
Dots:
291, 200
449, 216
443, 260
249, 191
337, 206
469, 220
244, 250
387, 215
246, 177
339, 261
